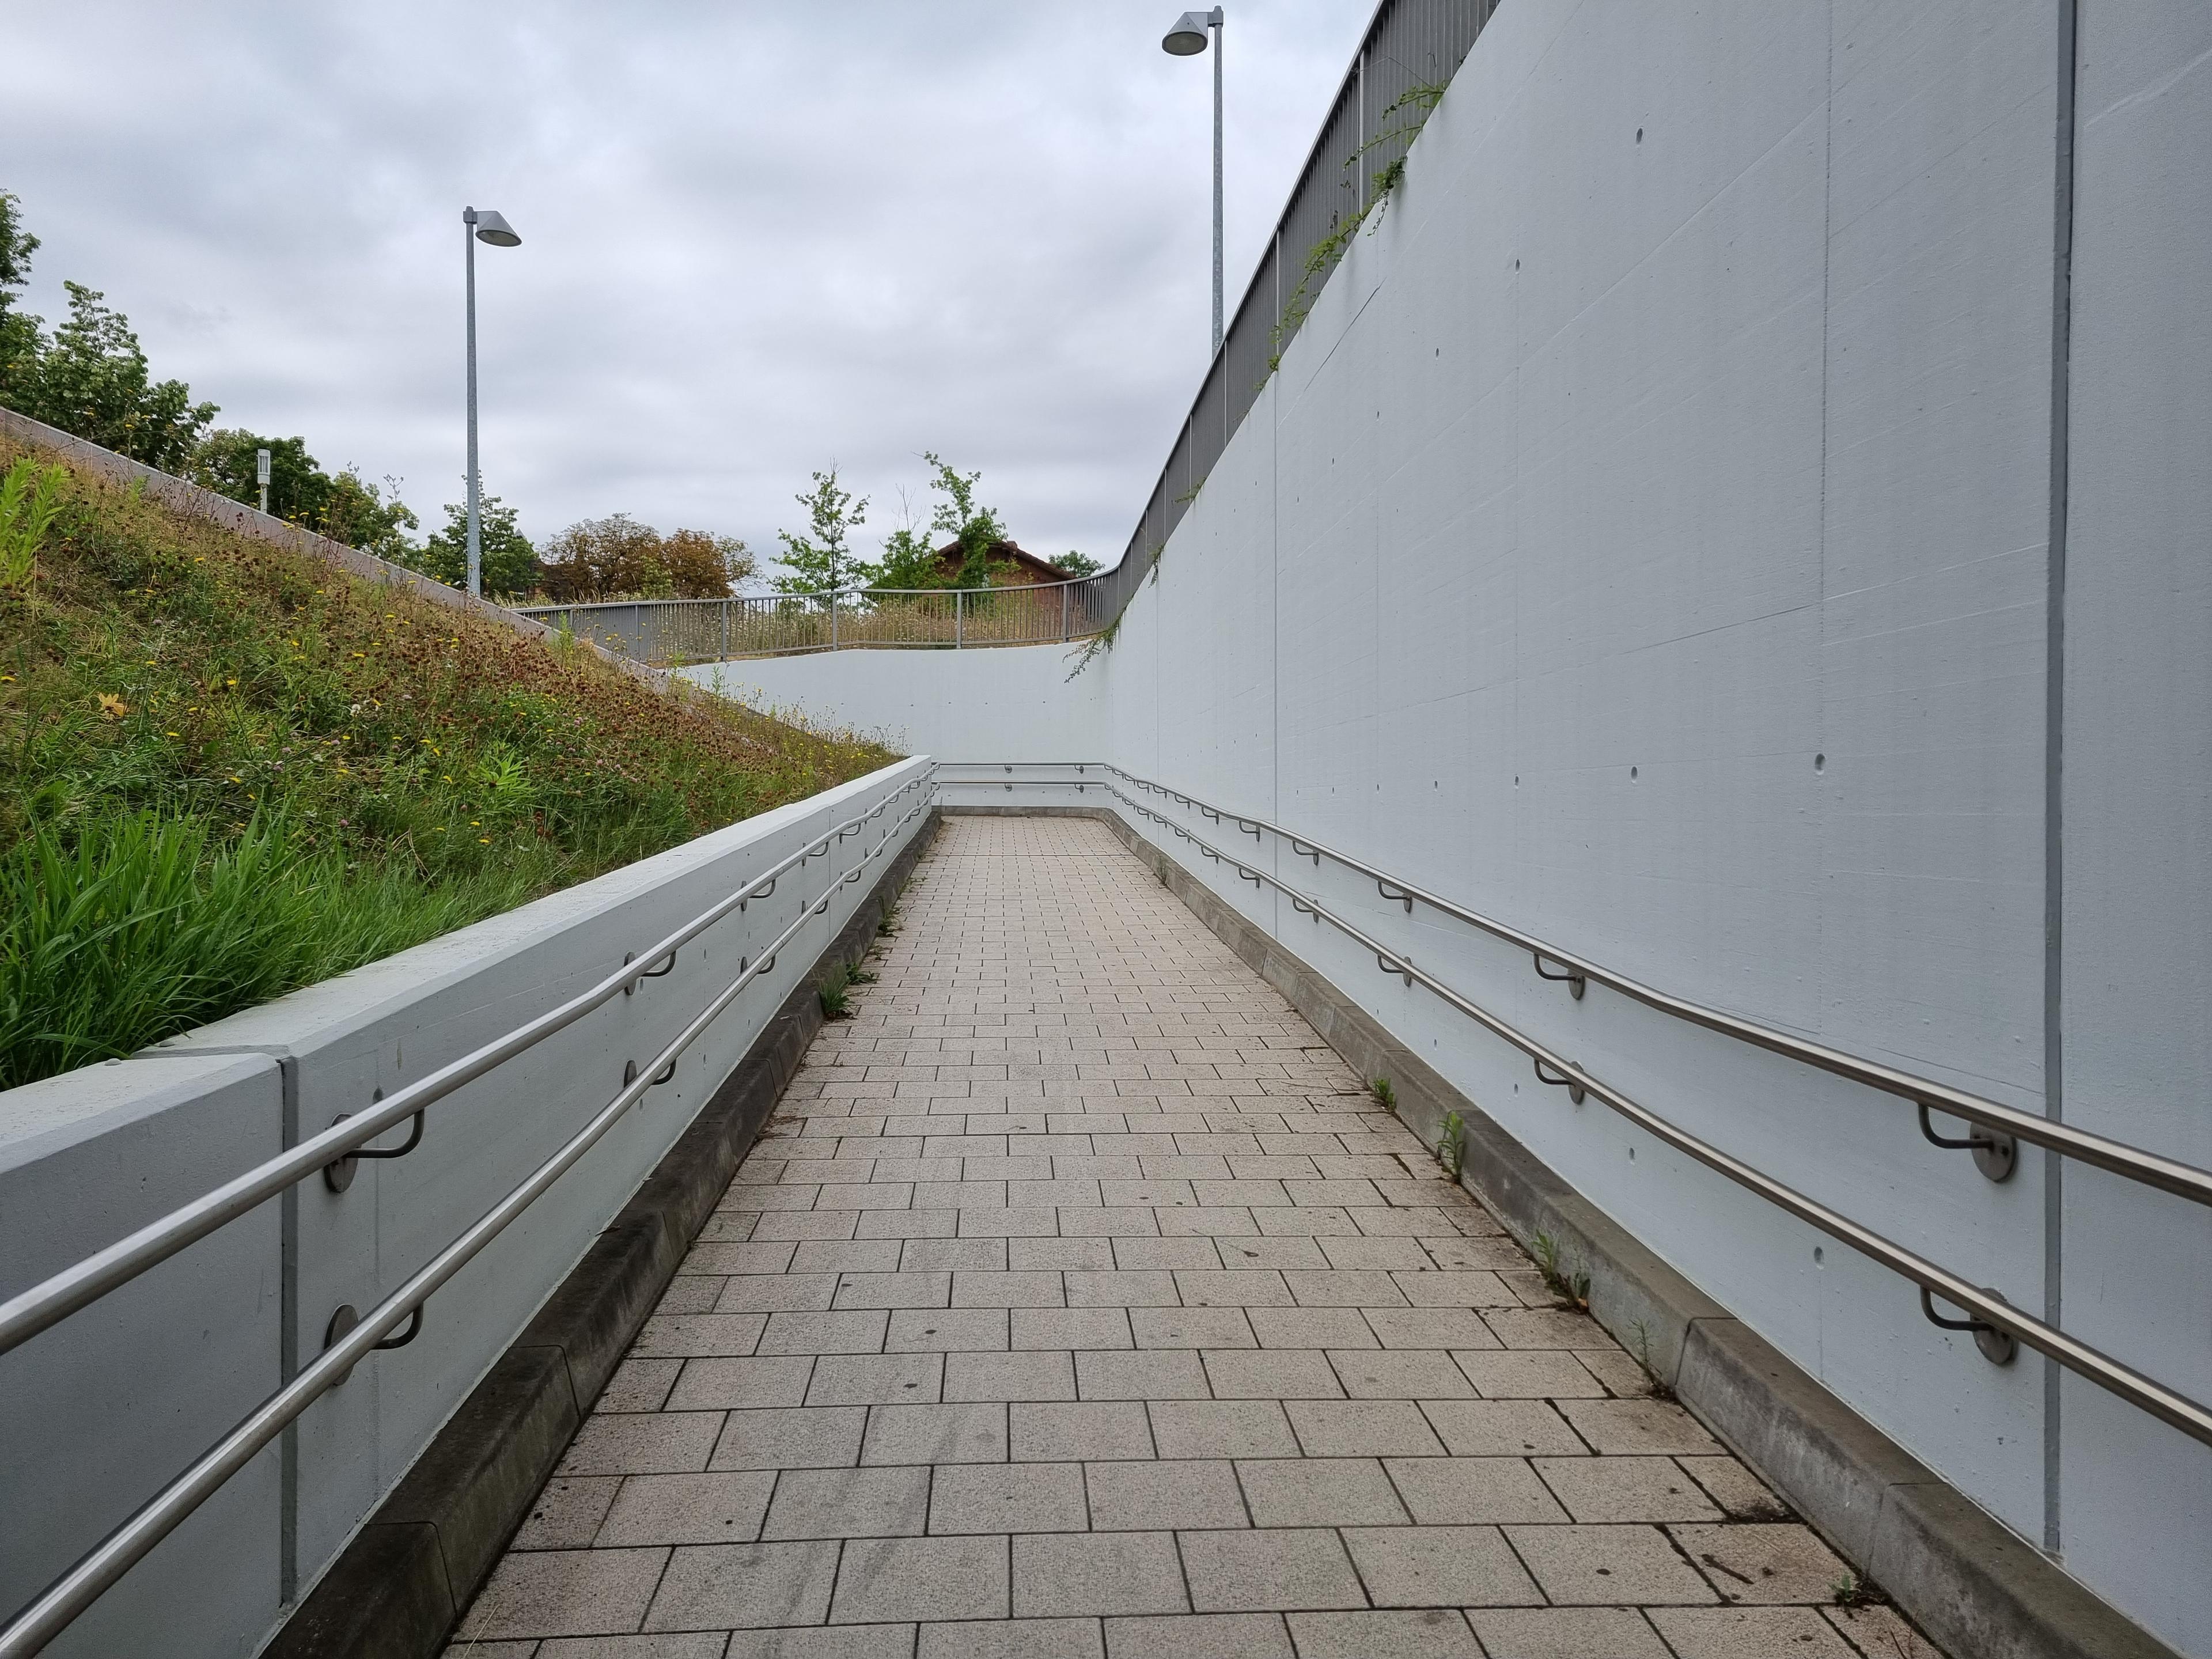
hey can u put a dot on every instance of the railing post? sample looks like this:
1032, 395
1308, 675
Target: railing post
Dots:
833, 619
725, 657
959, 617
1066, 592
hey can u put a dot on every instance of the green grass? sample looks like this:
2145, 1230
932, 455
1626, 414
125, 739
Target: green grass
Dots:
228, 771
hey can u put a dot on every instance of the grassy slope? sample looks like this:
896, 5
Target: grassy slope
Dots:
228, 771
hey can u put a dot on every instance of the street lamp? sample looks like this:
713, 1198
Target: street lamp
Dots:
492, 227
1187, 39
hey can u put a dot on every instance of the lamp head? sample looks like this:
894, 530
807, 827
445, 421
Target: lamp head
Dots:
1188, 37
492, 227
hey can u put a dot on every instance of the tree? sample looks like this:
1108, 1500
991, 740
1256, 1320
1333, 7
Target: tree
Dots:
617, 556
510, 562
819, 561
347, 509
703, 566
1076, 564
90, 379
19, 333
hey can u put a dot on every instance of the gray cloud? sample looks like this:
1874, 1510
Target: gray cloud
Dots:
757, 237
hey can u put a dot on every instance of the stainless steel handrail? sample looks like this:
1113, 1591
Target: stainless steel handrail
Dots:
2150, 1169
2161, 1402
38, 1624
25, 1314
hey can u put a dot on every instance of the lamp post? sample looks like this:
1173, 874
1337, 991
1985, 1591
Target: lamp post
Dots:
261, 474
492, 227
1187, 39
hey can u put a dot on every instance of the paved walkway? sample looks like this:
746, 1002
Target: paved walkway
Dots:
1080, 1301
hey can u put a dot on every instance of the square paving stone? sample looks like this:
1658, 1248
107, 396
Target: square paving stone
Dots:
1241, 1287
1310, 1328
1199, 1636
1319, 1491
639, 1385
865, 1503
1474, 1253
662, 1443
1190, 1327
1109, 1222
565, 1593
1781, 1562
1245, 1253
1060, 1256
1059, 1575
724, 1385
1043, 1374
1013, 1639
1008, 1289
827, 1642
689, 1293
1622, 1427
1361, 1428
1271, 1373
936, 1434
1472, 1490
1620, 1373
1880, 1633
1566, 1633
744, 1586
1625, 1489
857, 1332
903, 1223
1152, 1288
1545, 1327
894, 1290
1403, 1254
1443, 1289
946, 1330
1749, 1634
1505, 1374
1141, 1374
686, 1335
1608, 1566
688, 1509
1440, 1566
1352, 1288
1427, 1327
567, 1513
1270, 1569
1163, 1497
1430, 1633
1222, 1428
1738, 1492
849, 1255
1007, 1497
790, 1438
951, 1255
1136, 1255
1399, 1374
888, 1578
1070, 1328
687, 1644
1045, 1433
1205, 1222
777, 1293
886, 1379
1502, 1428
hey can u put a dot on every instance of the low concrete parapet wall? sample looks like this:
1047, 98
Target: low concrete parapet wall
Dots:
102, 1410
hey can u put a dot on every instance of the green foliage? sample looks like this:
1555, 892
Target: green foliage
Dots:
90, 379
1094, 647
1571, 1290
976, 531
1384, 1094
819, 560
1076, 564
834, 992
1451, 1145
30, 501
208, 743
346, 508
19, 334
617, 558
509, 561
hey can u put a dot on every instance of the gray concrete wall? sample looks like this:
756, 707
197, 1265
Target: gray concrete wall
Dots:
335, 1048
1649, 540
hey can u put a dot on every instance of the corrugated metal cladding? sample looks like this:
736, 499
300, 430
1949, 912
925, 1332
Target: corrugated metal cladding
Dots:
1409, 43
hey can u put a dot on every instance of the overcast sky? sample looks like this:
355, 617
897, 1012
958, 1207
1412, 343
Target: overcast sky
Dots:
757, 239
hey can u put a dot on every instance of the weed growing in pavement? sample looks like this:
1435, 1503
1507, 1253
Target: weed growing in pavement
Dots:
1568, 1289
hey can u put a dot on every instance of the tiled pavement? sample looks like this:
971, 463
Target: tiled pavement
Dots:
1079, 1302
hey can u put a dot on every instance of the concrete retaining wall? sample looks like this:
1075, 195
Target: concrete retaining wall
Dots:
195, 1346
1674, 533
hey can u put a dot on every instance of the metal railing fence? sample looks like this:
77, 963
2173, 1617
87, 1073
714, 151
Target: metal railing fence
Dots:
46, 1303
670, 633
1995, 1322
